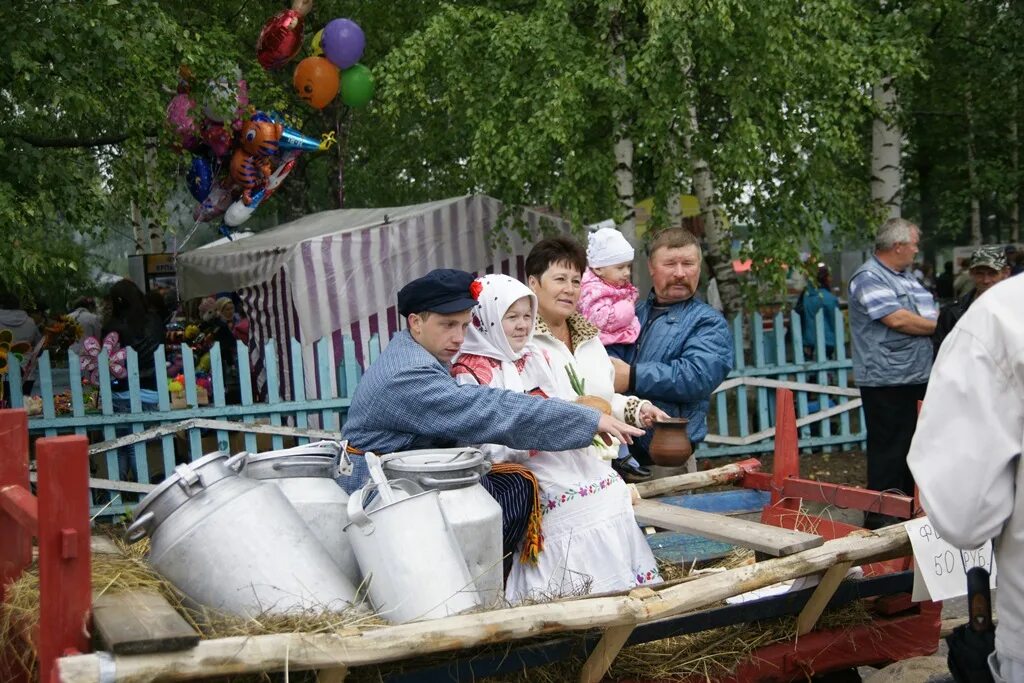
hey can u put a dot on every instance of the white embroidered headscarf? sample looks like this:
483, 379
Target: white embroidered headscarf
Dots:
486, 337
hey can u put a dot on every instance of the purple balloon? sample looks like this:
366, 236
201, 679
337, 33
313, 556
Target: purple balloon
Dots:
343, 42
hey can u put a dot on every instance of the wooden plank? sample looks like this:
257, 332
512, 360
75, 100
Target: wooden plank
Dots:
770, 432
767, 539
741, 363
600, 660
107, 406
757, 325
801, 377
245, 389
696, 480
298, 432
273, 388
200, 423
800, 386
135, 408
299, 386
140, 622
304, 651
188, 366
16, 398
46, 389
101, 545
328, 418
77, 393
217, 373
811, 612
837, 495
163, 405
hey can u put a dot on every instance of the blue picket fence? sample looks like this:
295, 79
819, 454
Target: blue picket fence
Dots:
774, 354
741, 418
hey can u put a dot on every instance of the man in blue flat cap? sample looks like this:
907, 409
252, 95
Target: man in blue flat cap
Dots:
408, 400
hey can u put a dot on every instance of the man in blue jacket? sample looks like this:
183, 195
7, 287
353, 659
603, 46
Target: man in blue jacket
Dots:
684, 349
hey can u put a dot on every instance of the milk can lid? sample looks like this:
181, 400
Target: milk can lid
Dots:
433, 460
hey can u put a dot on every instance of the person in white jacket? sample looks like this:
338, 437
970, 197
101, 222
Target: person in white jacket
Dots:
588, 540
965, 456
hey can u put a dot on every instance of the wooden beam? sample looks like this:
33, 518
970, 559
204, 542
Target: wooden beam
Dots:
101, 545
696, 480
762, 537
802, 386
259, 428
770, 432
139, 437
838, 495
203, 423
600, 660
794, 386
305, 651
811, 612
112, 485
140, 622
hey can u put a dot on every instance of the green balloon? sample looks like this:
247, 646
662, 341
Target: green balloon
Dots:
356, 86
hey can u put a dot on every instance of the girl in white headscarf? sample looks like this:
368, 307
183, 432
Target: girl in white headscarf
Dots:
590, 539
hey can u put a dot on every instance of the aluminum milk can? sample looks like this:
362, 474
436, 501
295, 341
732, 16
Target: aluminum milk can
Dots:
408, 553
473, 514
305, 474
236, 545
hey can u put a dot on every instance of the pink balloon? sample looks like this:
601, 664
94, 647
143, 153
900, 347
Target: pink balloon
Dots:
181, 122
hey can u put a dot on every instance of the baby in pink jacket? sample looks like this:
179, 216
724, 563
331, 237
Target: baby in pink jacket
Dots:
607, 297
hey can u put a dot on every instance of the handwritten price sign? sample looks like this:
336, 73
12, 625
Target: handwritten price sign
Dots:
940, 569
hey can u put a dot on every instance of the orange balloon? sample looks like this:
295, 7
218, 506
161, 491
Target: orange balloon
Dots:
316, 81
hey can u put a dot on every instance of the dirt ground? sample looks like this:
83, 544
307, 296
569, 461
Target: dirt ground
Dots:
846, 467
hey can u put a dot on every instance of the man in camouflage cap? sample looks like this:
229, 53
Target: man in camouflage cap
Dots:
987, 267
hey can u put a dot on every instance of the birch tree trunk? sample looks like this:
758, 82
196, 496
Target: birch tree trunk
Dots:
886, 148
156, 219
717, 235
623, 142
138, 235
972, 172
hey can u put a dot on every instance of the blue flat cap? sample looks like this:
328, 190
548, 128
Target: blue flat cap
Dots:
440, 291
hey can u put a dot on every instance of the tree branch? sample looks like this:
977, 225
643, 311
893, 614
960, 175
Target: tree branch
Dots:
69, 142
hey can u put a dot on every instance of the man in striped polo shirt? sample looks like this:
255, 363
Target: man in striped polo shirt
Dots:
892, 318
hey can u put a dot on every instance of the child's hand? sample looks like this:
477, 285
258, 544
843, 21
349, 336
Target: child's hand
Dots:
650, 413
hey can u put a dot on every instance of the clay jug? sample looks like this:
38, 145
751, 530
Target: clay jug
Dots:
671, 445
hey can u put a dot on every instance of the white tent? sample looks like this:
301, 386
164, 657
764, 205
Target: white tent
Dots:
337, 273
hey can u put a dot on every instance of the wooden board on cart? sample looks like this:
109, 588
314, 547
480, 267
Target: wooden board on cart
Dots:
767, 539
140, 622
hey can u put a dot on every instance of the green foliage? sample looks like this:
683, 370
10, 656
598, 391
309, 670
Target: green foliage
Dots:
523, 97
972, 58
517, 99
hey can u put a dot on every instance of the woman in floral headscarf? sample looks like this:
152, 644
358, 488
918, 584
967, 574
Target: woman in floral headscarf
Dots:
590, 540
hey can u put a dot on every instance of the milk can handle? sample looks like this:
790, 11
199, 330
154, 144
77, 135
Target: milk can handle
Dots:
140, 527
356, 508
433, 483
237, 461
356, 511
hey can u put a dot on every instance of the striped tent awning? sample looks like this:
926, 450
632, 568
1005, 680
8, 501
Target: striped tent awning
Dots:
338, 272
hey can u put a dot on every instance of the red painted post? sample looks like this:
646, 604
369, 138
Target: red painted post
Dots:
15, 540
787, 447
65, 601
